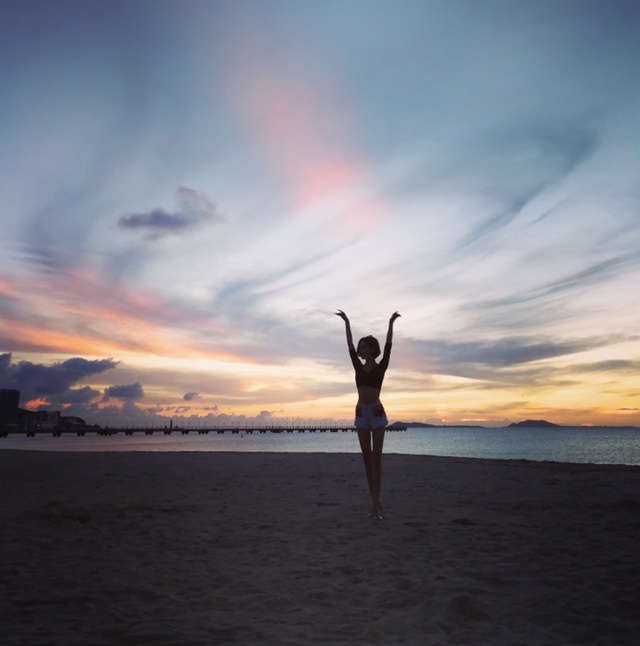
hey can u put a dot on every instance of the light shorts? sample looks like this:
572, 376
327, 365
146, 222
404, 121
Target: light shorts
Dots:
370, 416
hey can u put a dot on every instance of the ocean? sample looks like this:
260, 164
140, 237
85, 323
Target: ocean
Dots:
566, 444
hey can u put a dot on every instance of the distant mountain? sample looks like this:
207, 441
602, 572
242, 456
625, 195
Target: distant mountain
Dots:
420, 425
423, 425
532, 423
411, 425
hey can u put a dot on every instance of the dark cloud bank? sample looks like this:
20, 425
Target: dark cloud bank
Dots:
55, 383
124, 391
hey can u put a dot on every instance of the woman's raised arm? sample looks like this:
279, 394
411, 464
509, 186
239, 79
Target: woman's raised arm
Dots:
347, 326
394, 316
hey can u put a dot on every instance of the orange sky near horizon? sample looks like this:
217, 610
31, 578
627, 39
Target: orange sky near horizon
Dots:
291, 392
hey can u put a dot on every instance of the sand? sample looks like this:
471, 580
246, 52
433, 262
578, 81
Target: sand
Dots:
240, 548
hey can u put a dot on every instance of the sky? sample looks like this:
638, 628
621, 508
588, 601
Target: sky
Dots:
190, 190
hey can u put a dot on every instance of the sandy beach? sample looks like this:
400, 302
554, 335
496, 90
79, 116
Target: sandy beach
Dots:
241, 548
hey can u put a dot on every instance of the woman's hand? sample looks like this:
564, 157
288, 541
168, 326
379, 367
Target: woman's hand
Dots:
394, 316
342, 315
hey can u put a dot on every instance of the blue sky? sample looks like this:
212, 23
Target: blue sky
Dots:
191, 189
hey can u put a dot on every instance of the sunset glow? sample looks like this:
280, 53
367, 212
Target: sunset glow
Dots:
199, 193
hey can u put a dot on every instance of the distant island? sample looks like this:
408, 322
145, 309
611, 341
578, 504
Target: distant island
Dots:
527, 423
533, 423
424, 425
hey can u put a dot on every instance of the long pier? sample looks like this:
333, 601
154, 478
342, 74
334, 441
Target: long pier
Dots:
199, 430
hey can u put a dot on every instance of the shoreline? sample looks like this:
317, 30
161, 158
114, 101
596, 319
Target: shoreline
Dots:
350, 454
573, 447
239, 547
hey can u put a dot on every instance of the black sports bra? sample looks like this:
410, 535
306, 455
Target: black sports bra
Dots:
375, 377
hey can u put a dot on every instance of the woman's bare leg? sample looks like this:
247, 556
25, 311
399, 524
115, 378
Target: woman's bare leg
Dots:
364, 438
376, 468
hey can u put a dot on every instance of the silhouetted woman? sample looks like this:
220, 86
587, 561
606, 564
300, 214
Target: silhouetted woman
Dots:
371, 419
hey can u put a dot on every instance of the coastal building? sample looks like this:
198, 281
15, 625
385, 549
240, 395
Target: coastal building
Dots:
34, 419
68, 421
12, 415
9, 400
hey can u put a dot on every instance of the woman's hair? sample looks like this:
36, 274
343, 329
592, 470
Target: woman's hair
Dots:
372, 342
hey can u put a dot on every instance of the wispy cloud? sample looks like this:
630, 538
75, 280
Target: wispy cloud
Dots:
599, 272
500, 361
534, 160
621, 366
77, 309
302, 132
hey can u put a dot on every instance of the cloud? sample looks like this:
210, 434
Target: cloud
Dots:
39, 380
534, 160
195, 209
599, 272
41, 255
156, 220
611, 365
518, 152
124, 392
79, 395
197, 205
505, 352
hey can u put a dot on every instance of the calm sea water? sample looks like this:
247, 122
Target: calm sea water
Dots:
568, 444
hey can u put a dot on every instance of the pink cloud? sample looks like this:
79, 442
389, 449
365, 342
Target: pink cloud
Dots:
302, 131
78, 311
